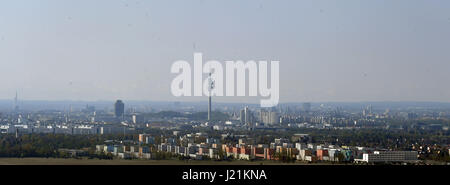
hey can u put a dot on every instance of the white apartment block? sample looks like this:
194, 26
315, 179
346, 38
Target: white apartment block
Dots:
390, 156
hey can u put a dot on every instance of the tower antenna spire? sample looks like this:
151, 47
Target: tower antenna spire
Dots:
210, 88
16, 106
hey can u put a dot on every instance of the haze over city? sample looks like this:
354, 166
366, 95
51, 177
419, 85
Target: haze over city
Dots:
328, 50
225, 91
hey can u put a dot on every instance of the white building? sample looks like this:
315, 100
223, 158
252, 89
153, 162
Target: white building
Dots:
390, 156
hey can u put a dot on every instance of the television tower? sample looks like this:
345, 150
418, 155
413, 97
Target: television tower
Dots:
16, 106
210, 88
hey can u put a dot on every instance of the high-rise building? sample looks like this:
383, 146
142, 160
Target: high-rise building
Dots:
246, 117
367, 111
119, 108
269, 117
133, 118
306, 107
242, 116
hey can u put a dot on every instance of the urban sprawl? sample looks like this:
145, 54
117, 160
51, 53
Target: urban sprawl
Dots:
396, 133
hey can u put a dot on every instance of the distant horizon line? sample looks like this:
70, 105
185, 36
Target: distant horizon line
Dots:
222, 102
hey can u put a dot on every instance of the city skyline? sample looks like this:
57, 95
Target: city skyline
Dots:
16, 99
224, 91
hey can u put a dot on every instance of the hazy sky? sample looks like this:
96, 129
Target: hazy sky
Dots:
328, 50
